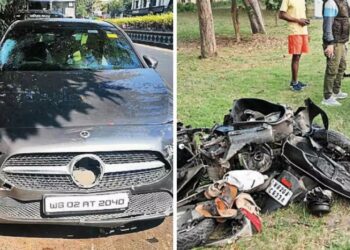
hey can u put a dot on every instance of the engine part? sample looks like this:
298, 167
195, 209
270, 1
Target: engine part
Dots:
240, 138
188, 179
215, 173
257, 157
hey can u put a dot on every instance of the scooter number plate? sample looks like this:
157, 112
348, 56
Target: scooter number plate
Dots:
279, 192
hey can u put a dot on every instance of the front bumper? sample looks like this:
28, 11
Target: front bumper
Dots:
147, 202
28, 173
142, 207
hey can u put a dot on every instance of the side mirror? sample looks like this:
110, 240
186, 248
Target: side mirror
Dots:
151, 62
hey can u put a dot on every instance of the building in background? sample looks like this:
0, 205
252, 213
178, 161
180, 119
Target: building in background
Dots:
66, 7
145, 7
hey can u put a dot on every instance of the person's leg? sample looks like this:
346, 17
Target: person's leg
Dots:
342, 67
295, 49
295, 68
331, 73
304, 50
346, 54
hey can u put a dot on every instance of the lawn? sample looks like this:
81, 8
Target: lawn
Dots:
260, 67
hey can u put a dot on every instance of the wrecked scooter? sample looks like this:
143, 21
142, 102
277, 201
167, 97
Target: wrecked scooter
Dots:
269, 138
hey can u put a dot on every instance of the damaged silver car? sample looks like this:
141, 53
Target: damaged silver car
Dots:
85, 127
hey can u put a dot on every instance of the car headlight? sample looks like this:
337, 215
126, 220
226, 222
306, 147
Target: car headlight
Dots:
169, 153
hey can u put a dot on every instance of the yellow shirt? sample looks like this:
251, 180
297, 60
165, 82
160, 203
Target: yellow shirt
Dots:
296, 9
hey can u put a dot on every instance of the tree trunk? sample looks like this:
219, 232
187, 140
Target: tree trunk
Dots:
235, 20
255, 16
206, 26
252, 18
257, 10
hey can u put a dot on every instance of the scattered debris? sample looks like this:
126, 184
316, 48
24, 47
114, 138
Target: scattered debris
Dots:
319, 201
262, 158
153, 240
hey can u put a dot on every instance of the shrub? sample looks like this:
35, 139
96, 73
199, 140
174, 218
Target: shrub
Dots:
221, 4
273, 4
186, 7
149, 22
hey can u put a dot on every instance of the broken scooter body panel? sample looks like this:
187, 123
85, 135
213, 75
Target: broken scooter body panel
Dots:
256, 121
303, 154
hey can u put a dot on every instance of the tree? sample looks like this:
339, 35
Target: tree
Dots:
255, 17
100, 5
235, 20
114, 6
85, 7
206, 26
8, 11
127, 4
273, 5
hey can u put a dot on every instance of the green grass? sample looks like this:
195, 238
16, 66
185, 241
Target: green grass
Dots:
257, 67
260, 67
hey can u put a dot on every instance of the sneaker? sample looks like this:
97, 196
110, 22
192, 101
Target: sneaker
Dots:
340, 95
303, 85
296, 87
331, 101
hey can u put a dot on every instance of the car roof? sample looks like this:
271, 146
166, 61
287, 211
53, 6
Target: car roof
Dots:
63, 22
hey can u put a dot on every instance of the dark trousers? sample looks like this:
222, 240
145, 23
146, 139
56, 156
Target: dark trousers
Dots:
335, 71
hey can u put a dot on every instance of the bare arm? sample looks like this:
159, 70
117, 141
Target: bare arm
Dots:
284, 16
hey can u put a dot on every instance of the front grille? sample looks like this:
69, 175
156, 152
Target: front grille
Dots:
65, 183
62, 159
110, 181
140, 204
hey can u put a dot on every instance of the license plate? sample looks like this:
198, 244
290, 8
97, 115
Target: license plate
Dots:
279, 192
65, 204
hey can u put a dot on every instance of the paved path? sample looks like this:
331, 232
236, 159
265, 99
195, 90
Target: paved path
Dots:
34, 237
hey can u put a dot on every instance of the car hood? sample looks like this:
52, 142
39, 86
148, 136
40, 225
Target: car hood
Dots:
101, 139
66, 99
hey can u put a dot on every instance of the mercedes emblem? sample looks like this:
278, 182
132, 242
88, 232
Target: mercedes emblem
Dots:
85, 134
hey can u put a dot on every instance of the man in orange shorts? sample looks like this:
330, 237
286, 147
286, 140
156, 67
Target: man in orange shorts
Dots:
294, 12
